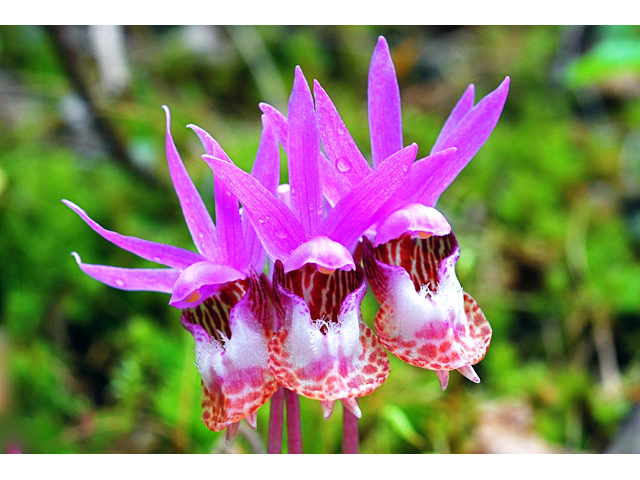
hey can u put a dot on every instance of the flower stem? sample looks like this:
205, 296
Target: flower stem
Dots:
276, 416
294, 428
349, 432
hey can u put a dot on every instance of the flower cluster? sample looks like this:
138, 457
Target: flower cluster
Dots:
338, 226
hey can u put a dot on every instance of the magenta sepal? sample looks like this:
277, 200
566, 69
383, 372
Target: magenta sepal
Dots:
385, 117
195, 213
468, 136
149, 279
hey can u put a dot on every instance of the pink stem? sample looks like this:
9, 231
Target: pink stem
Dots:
294, 428
349, 432
276, 416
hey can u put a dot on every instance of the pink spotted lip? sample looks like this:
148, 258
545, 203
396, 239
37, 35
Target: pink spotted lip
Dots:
232, 330
425, 318
324, 350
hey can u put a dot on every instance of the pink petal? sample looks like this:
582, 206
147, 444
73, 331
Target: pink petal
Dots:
468, 137
355, 212
341, 149
279, 231
303, 150
333, 185
385, 116
229, 226
279, 122
425, 318
156, 252
266, 167
146, 279
195, 213
320, 352
464, 105
416, 184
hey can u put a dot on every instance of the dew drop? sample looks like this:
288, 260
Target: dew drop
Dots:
340, 131
119, 282
405, 168
156, 259
280, 234
261, 220
343, 165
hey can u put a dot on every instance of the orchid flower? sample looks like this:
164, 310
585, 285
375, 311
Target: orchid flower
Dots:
223, 301
425, 318
323, 349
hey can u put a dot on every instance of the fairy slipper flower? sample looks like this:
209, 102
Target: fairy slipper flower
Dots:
410, 258
322, 350
223, 301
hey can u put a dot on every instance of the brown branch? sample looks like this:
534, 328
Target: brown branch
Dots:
113, 140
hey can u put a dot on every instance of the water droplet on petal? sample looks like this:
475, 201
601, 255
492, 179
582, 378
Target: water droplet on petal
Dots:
157, 259
405, 168
343, 165
340, 131
280, 234
261, 220
120, 282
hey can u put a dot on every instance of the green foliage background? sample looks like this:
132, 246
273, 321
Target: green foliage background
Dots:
547, 216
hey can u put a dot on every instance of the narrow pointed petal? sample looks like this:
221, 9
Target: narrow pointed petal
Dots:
199, 281
443, 378
231, 339
323, 252
464, 105
304, 147
324, 350
327, 408
416, 184
144, 279
279, 231
266, 169
333, 185
469, 373
341, 149
195, 213
468, 137
279, 122
385, 116
413, 218
156, 252
425, 318
351, 404
210, 144
229, 234
354, 213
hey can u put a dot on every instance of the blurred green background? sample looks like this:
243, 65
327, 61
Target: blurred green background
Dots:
547, 216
